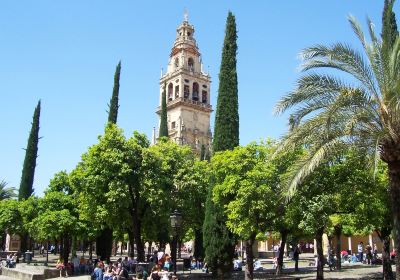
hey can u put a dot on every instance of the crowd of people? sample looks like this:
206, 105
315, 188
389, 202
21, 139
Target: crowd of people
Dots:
159, 267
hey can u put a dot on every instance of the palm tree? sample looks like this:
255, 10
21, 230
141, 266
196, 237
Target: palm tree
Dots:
331, 113
6, 192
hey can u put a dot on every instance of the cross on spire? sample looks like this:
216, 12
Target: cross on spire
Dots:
186, 15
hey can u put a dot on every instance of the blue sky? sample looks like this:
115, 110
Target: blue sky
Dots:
65, 53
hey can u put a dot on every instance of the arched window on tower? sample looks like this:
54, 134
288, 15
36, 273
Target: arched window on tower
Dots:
186, 91
204, 96
177, 91
176, 63
191, 64
195, 95
170, 86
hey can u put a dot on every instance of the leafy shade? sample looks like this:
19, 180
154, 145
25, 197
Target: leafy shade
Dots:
226, 132
28, 171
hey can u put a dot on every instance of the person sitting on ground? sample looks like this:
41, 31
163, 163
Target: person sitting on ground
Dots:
257, 265
193, 264
108, 274
98, 272
331, 261
354, 258
205, 268
237, 265
154, 273
167, 266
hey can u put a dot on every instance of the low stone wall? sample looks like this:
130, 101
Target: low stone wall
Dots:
22, 275
25, 274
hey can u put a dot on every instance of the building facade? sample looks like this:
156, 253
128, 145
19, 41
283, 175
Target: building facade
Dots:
187, 92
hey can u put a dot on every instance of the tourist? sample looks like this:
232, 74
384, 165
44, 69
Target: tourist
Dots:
167, 266
237, 265
360, 249
354, 258
61, 267
257, 265
98, 272
296, 254
75, 262
368, 251
154, 273
375, 253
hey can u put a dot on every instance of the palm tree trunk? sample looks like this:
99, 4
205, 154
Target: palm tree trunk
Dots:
320, 254
387, 267
394, 180
338, 235
279, 267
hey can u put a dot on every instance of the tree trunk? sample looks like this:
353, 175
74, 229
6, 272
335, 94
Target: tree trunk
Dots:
386, 265
131, 249
66, 248
338, 235
136, 221
279, 267
394, 180
104, 244
73, 246
24, 243
138, 236
320, 254
198, 244
173, 250
179, 248
91, 250
249, 258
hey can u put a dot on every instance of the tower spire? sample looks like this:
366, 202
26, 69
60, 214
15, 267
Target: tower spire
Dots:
186, 15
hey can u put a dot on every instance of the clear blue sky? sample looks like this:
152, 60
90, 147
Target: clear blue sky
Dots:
65, 53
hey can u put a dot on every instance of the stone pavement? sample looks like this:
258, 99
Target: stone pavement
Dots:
349, 271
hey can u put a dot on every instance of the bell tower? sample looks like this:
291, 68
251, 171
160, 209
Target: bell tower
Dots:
187, 92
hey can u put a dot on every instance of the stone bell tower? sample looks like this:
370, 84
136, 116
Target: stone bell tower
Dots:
187, 92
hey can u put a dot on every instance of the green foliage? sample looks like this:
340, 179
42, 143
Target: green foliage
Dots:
163, 131
218, 240
389, 25
58, 213
10, 217
6, 192
113, 106
246, 185
226, 131
28, 171
174, 180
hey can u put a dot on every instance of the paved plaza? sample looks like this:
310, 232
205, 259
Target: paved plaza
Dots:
349, 271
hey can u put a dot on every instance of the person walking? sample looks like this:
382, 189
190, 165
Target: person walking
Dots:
296, 254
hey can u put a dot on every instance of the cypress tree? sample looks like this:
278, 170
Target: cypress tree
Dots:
105, 238
113, 106
226, 131
218, 240
389, 26
163, 132
28, 171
